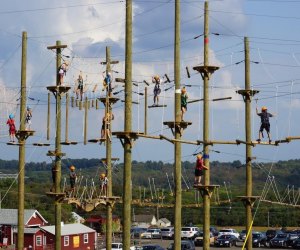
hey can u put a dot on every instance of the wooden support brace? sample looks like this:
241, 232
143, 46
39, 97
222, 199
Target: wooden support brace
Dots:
248, 200
206, 189
166, 138
206, 71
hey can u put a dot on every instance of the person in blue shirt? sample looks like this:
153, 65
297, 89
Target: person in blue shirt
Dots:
265, 123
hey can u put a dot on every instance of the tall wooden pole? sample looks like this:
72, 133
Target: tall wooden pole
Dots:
248, 146
67, 118
127, 195
21, 176
85, 120
58, 156
206, 199
108, 109
177, 145
48, 117
146, 111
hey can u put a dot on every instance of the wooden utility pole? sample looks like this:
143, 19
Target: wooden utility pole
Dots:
206, 200
127, 189
57, 90
108, 111
21, 177
177, 134
206, 71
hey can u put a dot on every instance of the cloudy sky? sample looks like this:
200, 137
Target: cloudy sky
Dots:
87, 27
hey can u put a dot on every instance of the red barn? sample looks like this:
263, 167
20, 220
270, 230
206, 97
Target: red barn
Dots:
73, 237
9, 224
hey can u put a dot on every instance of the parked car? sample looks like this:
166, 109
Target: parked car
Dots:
259, 239
214, 231
280, 240
137, 231
230, 231
271, 233
243, 234
167, 233
226, 240
199, 239
118, 246
185, 245
189, 232
151, 233
152, 247
291, 239
296, 243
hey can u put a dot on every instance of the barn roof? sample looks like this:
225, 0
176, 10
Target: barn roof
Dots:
69, 229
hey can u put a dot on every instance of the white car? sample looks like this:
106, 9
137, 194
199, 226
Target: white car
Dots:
189, 232
118, 246
151, 233
230, 231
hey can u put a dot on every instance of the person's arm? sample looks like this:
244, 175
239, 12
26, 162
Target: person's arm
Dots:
256, 110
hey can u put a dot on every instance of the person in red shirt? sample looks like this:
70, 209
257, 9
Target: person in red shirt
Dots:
199, 168
12, 127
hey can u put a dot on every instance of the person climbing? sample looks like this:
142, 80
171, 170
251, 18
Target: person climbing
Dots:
184, 97
62, 71
156, 90
53, 171
107, 83
28, 118
12, 127
79, 90
265, 123
72, 178
105, 128
103, 184
199, 170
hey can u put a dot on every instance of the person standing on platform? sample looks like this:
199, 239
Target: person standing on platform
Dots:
28, 118
265, 123
62, 71
73, 178
156, 90
184, 98
199, 170
12, 127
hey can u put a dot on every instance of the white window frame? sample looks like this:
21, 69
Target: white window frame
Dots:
38, 240
85, 238
66, 241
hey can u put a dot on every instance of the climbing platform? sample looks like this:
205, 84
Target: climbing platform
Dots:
157, 106
111, 100
69, 143
247, 200
206, 189
126, 136
58, 197
177, 126
206, 71
41, 144
97, 140
58, 89
16, 143
55, 153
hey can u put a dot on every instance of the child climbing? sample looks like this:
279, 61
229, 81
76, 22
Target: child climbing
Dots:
28, 118
62, 71
199, 170
73, 178
12, 127
105, 128
107, 83
156, 90
184, 98
79, 90
265, 123
103, 184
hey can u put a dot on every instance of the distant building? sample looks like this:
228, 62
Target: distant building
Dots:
77, 218
144, 220
163, 222
9, 224
73, 237
98, 222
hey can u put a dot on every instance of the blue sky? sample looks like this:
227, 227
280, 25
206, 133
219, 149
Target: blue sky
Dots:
87, 27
